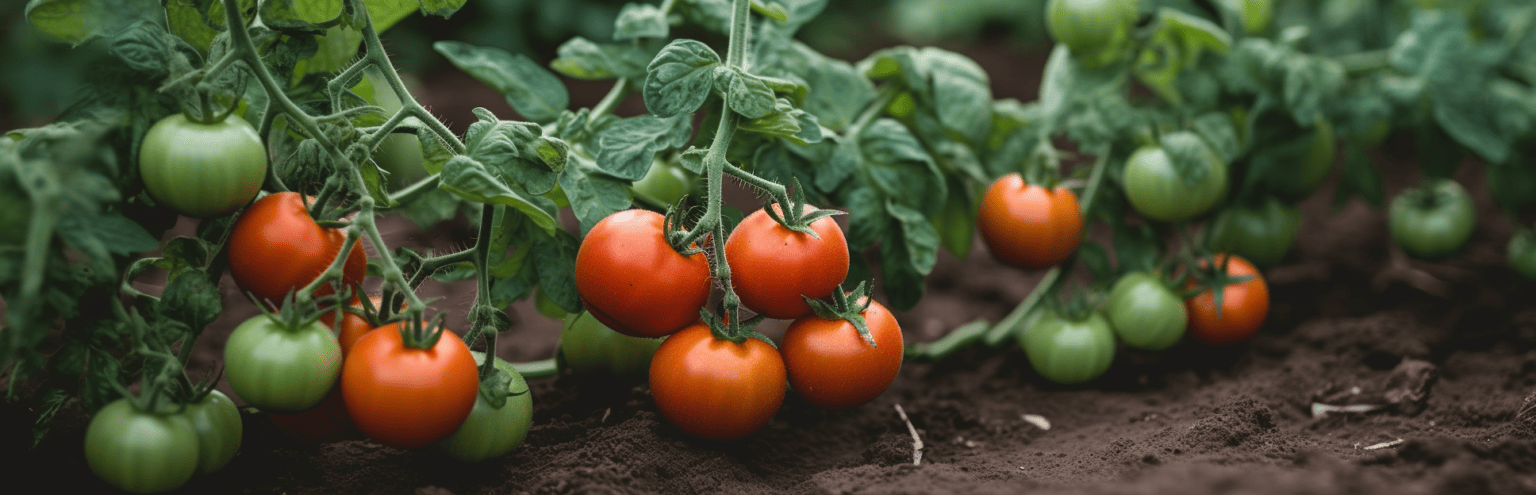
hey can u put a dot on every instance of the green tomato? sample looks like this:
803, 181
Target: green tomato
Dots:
1312, 165
1522, 253
399, 153
1157, 191
141, 452
1432, 221
491, 431
1070, 351
282, 370
1145, 313
590, 348
217, 422
1262, 235
1096, 31
203, 170
663, 185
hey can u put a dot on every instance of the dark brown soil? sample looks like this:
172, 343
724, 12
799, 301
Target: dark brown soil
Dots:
1344, 328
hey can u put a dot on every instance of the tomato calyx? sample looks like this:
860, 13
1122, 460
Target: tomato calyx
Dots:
797, 219
495, 386
1213, 277
725, 329
673, 224
849, 306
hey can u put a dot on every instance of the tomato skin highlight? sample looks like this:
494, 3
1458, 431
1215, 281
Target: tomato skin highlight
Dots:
279, 370
490, 431
1027, 226
1243, 307
771, 266
1434, 221
141, 452
218, 427
716, 389
632, 280
1156, 191
1069, 351
405, 397
1145, 313
203, 170
590, 348
275, 248
832, 366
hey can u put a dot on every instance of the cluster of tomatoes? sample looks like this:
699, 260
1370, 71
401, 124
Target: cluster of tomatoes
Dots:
722, 387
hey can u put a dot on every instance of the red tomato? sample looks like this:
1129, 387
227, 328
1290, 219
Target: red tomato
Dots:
1243, 306
771, 266
275, 248
716, 389
406, 397
1027, 226
634, 282
833, 367
327, 422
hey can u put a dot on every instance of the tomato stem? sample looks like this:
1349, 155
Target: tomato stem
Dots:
537, 369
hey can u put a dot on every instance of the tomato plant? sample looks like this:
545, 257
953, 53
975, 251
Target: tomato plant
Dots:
1145, 312
1312, 165
832, 366
1522, 253
218, 427
279, 366
1262, 235
399, 154
407, 397
1070, 350
1242, 310
276, 248
590, 348
351, 328
1160, 191
1097, 31
1432, 221
632, 280
716, 389
774, 268
202, 169
141, 451
490, 431
1028, 226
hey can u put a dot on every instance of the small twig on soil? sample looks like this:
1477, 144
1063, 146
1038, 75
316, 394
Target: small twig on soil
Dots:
1401, 270
1529, 409
1384, 445
1320, 410
1038, 420
917, 442
606, 412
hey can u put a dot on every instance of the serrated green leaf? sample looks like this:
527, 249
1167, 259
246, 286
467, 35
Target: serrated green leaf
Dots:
679, 79
962, 93
198, 21
841, 91
191, 299
471, 180
79, 21
508, 150
105, 234
554, 257
899, 166
1188, 154
440, 8
143, 47
746, 94
1219, 132
303, 15
592, 196
640, 21
627, 148
531, 90
580, 58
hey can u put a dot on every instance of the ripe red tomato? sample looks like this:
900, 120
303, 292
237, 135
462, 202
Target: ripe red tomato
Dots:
406, 397
1243, 306
275, 248
716, 389
771, 266
1027, 226
632, 280
832, 367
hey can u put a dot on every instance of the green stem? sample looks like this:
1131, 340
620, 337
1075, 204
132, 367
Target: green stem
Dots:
537, 369
489, 217
617, 94
741, 19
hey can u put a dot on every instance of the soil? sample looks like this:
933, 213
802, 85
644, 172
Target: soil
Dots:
1452, 373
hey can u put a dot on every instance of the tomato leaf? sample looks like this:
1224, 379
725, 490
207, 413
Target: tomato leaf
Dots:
592, 195
554, 257
580, 58
903, 283
951, 84
1136, 248
471, 180
1188, 154
301, 15
747, 94
956, 223
1218, 131
1095, 258
640, 21
79, 21
1194, 35
679, 79
919, 238
531, 90
626, 148
191, 299
787, 122
868, 221
841, 91
515, 152
900, 167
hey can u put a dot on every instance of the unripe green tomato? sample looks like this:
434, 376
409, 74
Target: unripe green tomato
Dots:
1155, 189
590, 348
1070, 351
1311, 168
399, 154
202, 170
1432, 221
663, 185
282, 370
1522, 253
139, 451
1095, 30
1263, 235
1145, 313
219, 431
491, 431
